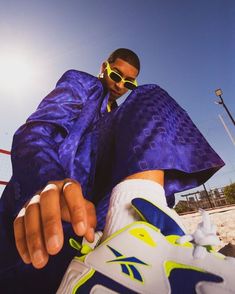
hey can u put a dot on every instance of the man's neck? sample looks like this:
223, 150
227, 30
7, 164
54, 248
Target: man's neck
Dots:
112, 104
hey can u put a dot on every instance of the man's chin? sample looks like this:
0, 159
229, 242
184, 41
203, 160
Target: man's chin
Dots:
113, 97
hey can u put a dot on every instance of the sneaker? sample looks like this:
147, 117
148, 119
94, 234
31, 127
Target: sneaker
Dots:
141, 259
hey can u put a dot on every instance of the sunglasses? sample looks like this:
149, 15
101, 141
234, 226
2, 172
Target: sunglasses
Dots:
116, 77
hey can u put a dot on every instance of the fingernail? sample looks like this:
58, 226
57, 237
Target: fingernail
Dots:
50, 187
26, 258
80, 227
66, 185
53, 242
91, 231
38, 257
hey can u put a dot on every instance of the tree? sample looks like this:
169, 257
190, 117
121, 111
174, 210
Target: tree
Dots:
181, 207
229, 192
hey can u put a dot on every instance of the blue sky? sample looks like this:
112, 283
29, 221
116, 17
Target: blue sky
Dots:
186, 47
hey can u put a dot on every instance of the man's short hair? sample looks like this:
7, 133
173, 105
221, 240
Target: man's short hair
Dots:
126, 55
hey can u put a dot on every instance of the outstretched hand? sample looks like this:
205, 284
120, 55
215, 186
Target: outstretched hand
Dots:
38, 227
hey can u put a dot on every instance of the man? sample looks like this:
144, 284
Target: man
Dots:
84, 152
127, 68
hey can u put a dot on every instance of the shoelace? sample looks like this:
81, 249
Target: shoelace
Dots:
203, 238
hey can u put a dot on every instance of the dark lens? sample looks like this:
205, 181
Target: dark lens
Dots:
129, 85
115, 77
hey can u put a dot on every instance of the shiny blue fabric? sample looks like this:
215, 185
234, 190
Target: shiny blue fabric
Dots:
151, 131
72, 135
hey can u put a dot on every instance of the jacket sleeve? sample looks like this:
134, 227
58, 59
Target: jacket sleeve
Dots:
35, 148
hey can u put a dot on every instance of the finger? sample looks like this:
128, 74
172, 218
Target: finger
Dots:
65, 215
91, 221
77, 207
20, 237
34, 236
51, 218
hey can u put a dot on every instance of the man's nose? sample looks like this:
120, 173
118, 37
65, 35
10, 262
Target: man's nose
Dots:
120, 85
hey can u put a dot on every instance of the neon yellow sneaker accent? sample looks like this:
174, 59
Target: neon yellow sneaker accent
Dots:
170, 265
75, 244
173, 238
86, 249
143, 235
83, 280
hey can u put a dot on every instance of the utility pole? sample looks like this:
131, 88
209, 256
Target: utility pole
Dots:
227, 129
207, 195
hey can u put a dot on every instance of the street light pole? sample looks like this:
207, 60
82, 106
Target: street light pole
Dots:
219, 93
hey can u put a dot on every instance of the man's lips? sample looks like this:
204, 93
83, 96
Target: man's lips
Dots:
115, 93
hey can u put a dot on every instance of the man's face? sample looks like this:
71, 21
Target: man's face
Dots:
123, 68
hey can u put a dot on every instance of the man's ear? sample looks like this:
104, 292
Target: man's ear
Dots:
102, 69
103, 66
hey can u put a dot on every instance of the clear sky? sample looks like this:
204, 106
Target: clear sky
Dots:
186, 46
